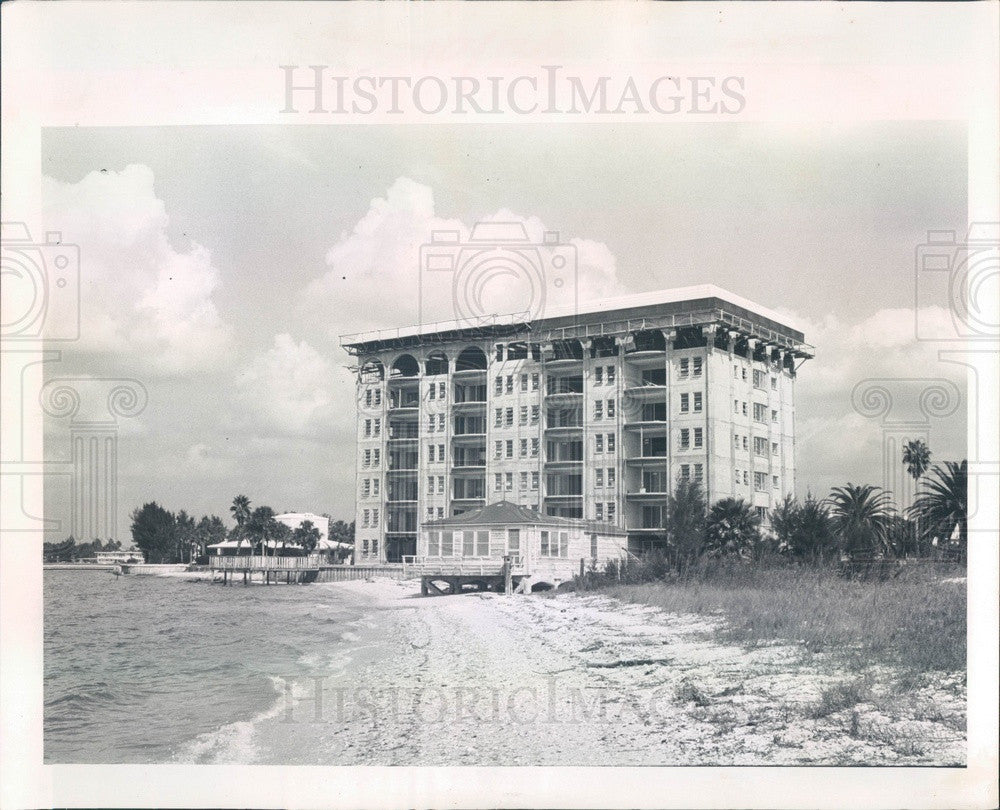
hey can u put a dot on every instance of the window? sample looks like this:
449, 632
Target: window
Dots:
375, 486
430, 484
498, 417
498, 482
699, 472
430, 513
441, 390
374, 517
685, 367
367, 458
524, 480
441, 483
368, 428
447, 544
696, 367
441, 453
534, 448
514, 541
510, 384
611, 476
758, 378
611, 514
509, 417
774, 448
365, 487
736, 442
430, 423
482, 544
744, 409
430, 452
544, 550
534, 382
736, 406
611, 442
599, 375
774, 481
698, 437
509, 482
685, 404
685, 472
759, 481
685, 439
468, 544
524, 448
697, 401
498, 449
524, 382
746, 478
534, 414
376, 458
499, 354
759, 446
440, 512
598, 409
378, 397
440, 421
744, 372
774, 415
524, 415
736, 371
761, 512
611, 409
498, 385
534, 481
368, 398
610, 375
432, 391
599, 511
599, 443
745, 445
509, 448
599, 478
759, 412
774, 383
433, 544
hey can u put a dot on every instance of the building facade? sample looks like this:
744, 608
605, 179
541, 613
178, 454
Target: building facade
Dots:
594, 415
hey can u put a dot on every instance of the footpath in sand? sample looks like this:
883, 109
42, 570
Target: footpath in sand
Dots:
484, 679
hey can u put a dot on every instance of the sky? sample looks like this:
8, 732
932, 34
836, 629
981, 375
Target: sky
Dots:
220, 265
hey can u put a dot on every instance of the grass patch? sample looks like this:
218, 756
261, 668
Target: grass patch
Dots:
915, 621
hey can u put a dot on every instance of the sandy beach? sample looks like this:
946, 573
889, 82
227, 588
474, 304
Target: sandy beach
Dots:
586, 680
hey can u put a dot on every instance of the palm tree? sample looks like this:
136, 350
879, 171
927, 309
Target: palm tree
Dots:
943, 503
261, 527
241, 514
917, 458
861, 515
684, 521
306, 535
803, 530
732, 528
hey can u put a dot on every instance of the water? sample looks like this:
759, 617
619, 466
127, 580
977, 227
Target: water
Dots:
142, 669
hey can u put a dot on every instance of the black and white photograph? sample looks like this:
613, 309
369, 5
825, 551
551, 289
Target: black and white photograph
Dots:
517, 423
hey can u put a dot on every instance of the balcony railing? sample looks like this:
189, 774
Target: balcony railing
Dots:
243, 562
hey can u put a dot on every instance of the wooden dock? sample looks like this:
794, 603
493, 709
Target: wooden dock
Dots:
445, 577
273, 570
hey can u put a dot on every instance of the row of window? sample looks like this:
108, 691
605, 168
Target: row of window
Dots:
504, 482
691, 402
371, 458
373, 397
602, 480
504, 417
373, 427
690, 367
437, 391
686, 435
505, 384
369, 546
604, 444
505, 449
759, 445
435, 423
693, 472
759, 411
370, 487
605, 511
759, 479
369, 518
599, 409
604, 375
759, 377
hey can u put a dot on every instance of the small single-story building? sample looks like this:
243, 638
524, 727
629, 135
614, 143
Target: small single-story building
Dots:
544, 550
125, 555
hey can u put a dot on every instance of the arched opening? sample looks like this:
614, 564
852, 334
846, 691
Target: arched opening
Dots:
437, 363
472, 358
537, 587
405, 366
372, 371
567, 350
603, 347
649, 340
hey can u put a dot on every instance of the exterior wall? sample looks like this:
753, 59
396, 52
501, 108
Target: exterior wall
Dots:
724, 461
548, 568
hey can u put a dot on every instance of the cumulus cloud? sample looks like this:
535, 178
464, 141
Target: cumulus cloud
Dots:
289, 390
138, 293
381, 273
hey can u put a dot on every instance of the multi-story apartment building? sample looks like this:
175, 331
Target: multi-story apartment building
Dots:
596, 414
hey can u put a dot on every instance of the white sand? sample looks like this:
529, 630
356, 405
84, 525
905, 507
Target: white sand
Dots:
586, 680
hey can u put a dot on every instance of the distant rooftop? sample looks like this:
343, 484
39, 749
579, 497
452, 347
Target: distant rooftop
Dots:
678, 307
505, 513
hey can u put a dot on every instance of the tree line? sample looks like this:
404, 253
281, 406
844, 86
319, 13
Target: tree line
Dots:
854, 521
69, 550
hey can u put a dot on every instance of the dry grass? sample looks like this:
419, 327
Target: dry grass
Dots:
916, 621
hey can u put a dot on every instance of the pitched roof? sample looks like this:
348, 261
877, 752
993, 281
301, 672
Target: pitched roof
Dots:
505, 513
